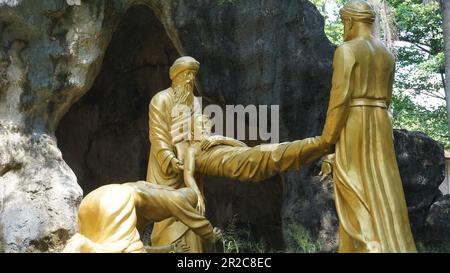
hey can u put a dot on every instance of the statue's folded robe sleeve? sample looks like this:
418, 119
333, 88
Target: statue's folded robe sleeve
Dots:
341, 93
159, 133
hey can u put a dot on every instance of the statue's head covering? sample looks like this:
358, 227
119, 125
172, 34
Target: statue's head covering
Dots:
358, 11
181, 64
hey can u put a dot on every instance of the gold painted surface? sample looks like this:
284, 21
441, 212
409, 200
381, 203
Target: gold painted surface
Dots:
174, 162
108, 217
369, 195
259, 162
164, 167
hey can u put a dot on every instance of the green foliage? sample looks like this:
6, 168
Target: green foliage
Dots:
241, 240
414, 117
304, 241
421, 25
230, 237
420, 69
333, 27
417, 81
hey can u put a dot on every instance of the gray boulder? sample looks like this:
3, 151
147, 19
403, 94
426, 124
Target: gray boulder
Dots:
437, 223
421, 163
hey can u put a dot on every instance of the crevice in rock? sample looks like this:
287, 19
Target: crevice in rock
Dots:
54, 242
13, 166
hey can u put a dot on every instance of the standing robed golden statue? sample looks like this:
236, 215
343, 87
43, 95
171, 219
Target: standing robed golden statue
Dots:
370, 201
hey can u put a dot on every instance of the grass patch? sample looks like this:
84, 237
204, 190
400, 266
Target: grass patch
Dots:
241, 240
304, 242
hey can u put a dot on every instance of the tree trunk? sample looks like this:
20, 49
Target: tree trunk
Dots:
383, 25
445, 8
376, 4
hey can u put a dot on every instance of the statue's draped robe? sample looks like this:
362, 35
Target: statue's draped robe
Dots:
369, 194
162, 150
107, 221
108, 216
161, 172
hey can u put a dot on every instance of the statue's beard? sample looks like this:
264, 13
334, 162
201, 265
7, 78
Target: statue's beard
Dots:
184, 93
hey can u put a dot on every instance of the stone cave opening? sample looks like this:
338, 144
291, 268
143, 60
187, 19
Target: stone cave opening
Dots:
104, 136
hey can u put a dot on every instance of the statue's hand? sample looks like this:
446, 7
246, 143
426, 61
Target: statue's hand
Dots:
177, 165
201, 205
325, 170
208, 143
217, 234
181, 246
178, 137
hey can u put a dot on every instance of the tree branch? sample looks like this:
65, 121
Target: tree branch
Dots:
418, 45
430, 94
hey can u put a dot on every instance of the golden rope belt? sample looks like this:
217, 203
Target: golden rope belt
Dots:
368, 102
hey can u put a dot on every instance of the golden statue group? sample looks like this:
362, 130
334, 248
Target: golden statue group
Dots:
368, 191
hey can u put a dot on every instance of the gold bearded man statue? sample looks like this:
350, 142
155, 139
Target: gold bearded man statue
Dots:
174, 163
369, 196
164, 167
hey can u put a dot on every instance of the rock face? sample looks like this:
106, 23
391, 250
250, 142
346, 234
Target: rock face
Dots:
421, 163
39, 193
437, 223
49, 53
104, 136
76, 78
